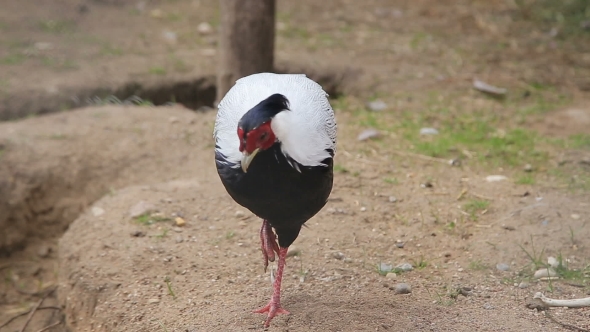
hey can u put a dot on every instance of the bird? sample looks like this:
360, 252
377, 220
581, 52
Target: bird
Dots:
275, 140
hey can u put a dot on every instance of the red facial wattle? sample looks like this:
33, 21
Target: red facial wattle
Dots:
261, 137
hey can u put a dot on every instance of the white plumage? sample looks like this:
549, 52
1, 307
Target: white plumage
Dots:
306, 132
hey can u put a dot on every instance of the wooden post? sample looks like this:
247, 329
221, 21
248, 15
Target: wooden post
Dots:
246, 40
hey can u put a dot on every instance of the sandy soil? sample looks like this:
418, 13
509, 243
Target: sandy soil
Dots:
111, 272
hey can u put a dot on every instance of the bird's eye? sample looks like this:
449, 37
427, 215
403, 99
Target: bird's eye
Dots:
263, 136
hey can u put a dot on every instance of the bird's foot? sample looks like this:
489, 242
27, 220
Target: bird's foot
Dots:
268, 241
273, 309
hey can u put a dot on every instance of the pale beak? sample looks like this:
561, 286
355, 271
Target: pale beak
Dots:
247, 159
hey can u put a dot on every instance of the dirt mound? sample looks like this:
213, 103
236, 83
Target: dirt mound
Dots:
53, 167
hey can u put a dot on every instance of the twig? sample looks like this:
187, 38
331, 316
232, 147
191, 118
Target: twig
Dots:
421, 156
574, 303
26, 312
50, 326
32, 313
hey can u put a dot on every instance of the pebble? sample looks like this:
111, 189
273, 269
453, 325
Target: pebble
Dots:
455, 162
142, 207
392, 199
402, 288
43, 251
528, 168
502, 266
488, 306
97, 211
495, 178
377, 105
368, 134
405, 267
177, 229
575, 216
240, 214
363, 209
544, 273
391, 275
523, 285
338, 255
179, 239
385, 267
138, 234
204, 28
553, 262
152, 301
399, 244
428, 131
180, 221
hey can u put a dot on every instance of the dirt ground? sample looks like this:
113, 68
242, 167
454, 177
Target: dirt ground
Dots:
391, 203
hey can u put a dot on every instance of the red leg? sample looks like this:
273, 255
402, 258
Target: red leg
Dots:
268, 242
274, 305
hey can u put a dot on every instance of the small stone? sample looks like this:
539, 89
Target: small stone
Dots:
488, 306
338, 255
405, 267
455, 162
179, 221
545, 273
377, 105
391, 275
399, 244
141, 208
392, 199
528, 168
179, 239
240, 214
460, 269
177, 229
523, 285
428, 131
363, 209
204, 28
97, 211
43, 251
368, 134
402, 288
502, 266
173, 119
488, 88
575, 216
138, 234
495, 178
383, 267
152, 301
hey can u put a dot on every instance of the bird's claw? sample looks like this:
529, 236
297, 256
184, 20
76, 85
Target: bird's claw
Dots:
273, 309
